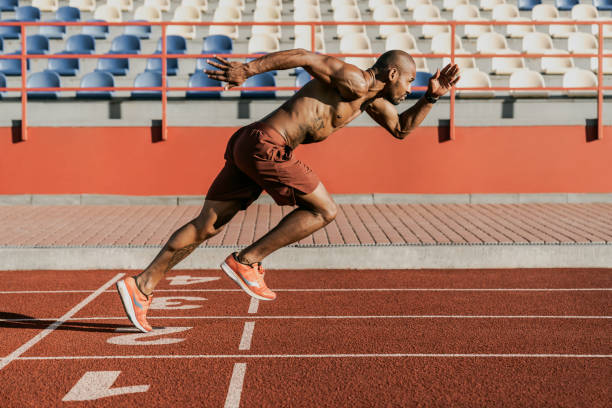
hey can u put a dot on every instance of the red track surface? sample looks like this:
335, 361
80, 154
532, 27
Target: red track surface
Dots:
406, 338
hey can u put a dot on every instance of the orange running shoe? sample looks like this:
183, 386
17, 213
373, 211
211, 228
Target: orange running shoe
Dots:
135, 303
249, 277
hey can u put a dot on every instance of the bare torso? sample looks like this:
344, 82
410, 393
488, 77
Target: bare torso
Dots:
313, 113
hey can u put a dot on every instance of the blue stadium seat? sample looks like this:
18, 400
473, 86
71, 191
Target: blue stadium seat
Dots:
99, 32
175, 44
1, 45
12, 67
200, 79
263, 79
603, 4
115, 66
64, 66
566, 4
10, 32
302, 79
44, 79
421, 79
81, 44
202, 65
219, 44
53, 32
155, 65
96, 79
27, 13
37, 44
9, 5
528, 4
147, 79
2, 84
68, 13
125, 44
141, 31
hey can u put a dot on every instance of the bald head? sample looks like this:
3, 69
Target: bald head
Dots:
398, 59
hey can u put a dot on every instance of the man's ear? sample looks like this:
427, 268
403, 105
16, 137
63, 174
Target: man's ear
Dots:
393, 74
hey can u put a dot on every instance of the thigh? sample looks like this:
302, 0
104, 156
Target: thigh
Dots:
215, 214
231, 184
317, 200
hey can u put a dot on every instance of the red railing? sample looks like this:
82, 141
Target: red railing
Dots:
312, 24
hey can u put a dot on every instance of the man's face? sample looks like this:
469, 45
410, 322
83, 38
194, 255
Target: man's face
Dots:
399, 87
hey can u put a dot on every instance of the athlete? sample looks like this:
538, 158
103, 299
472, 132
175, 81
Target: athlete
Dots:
260, 157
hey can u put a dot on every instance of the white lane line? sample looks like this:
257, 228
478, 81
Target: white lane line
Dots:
323, 317
254, 305
271, 356
17, 353
247, 335
4, 292
235, 387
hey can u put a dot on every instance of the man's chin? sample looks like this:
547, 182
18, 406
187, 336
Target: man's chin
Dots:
394, 101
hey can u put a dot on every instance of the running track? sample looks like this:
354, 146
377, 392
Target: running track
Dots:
332, 338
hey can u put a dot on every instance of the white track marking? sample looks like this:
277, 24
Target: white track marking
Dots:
235, 387
97, 384
247, 335
15, 354
271, 356
174, 302
143, 339
344, 290
189, 280
254, 305
323, 317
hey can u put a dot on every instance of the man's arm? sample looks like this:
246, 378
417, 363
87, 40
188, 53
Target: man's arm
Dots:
385, 114
350, 81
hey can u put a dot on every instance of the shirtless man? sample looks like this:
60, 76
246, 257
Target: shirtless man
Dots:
259, 157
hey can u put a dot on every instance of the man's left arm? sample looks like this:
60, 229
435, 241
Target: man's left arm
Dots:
385, 114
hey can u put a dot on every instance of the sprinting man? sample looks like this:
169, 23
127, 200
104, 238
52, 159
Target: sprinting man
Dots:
260, 157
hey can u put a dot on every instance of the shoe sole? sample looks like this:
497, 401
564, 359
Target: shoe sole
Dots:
126, 300
232, 275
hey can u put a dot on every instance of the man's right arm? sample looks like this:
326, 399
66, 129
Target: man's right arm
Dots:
350, 81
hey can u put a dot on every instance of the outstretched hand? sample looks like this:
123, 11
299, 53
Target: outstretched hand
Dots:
234, 73
442, 81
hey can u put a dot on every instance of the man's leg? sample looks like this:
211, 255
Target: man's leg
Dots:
315, 210
210, 222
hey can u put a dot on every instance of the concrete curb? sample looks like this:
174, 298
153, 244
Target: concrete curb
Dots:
328, 257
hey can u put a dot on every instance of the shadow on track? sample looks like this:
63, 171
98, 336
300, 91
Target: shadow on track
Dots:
19, 321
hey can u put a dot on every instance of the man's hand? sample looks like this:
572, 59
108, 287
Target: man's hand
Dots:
234, 73
442, 81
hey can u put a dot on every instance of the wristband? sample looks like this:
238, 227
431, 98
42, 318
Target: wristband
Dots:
430, 98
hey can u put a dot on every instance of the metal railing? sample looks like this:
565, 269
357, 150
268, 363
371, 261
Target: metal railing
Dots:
24, 56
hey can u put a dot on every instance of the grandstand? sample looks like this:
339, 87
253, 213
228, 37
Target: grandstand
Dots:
567, 67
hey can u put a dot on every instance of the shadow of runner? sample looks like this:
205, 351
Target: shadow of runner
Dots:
19, 321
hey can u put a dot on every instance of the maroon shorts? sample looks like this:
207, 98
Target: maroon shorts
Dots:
258, 158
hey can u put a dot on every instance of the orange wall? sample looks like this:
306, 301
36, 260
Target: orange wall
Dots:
354, 160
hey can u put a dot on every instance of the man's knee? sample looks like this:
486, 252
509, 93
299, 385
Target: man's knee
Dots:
328, 211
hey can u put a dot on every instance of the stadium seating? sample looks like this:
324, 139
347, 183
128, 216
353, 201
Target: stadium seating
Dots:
68, 13
54, 32
226, 14
263, 43
81, 44
147, 79
488, 5
9, 5
348, 13
264, 15
306, 13
185, 13
579, 78
360, 62
412, 4
27, 13
525, 78
544, 12
141, 31
37, 44
474, 78
603, 4
219, 44
355, 43
64, 66
155, 64
270, 4
506, 65
162, 5
123, 5
10, 32
263, 79
305, 42
528, 4
452, 4
125, 44
148, 13
174, 45
239, 4
96, 79
108, 13
45, 5
440, 43
389, 13
509, 12
99, 32
466, 12
421, 79
582, 43
566, 4
201, 5
12, 67
44, 79
2, 84
83, 5
200, 79
426, 12
302, 78
114, 66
